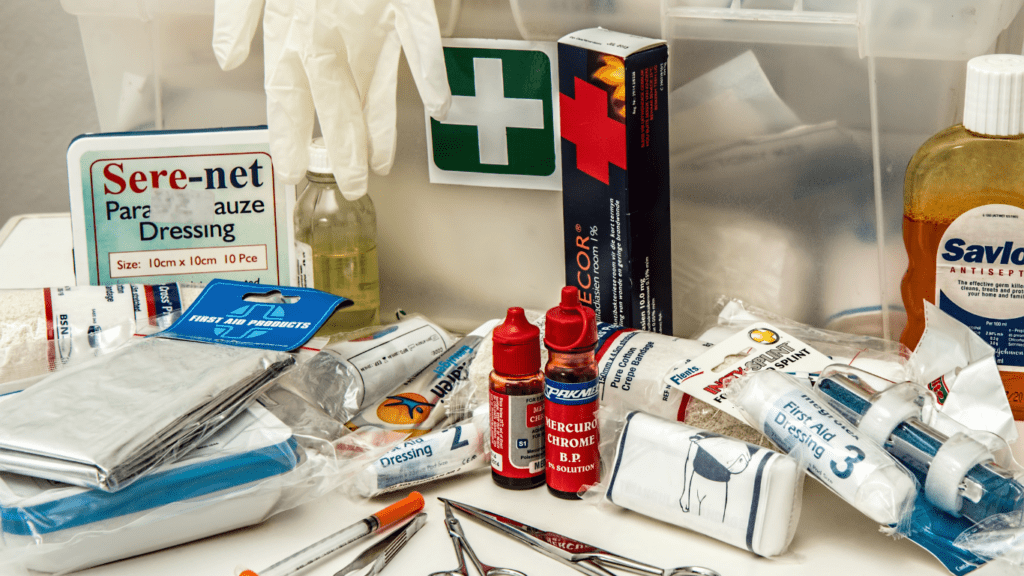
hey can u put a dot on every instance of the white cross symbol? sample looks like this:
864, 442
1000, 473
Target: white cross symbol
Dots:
492, 113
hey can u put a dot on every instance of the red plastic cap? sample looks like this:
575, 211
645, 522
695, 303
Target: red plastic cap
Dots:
516, 345
570, 325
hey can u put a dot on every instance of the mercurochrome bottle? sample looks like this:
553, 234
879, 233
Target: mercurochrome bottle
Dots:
571, 434
963, 219
340, 238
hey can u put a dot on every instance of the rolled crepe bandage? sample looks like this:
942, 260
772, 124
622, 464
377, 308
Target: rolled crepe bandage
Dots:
741, 494
853, 467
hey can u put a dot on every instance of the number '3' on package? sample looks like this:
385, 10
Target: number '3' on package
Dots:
741, 494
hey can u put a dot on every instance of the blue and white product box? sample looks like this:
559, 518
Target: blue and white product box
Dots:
255, 316
233, 480
155, 207
615, 176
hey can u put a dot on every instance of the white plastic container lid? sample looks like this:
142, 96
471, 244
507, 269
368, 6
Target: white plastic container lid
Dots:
994, 97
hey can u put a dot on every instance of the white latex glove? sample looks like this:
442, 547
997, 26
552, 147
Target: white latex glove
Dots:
341, 58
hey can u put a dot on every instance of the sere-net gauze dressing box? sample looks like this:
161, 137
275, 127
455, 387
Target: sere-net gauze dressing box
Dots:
615, 176
153, 207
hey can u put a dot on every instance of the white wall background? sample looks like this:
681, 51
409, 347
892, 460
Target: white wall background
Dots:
45, 101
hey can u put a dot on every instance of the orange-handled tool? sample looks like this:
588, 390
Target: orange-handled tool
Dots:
398, 511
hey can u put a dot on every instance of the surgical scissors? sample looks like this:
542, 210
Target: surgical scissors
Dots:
580, 556
462, 549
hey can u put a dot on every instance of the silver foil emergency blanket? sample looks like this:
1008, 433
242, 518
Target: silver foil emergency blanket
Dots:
106, 422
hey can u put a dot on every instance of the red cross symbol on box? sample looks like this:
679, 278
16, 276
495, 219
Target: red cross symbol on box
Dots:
599, 139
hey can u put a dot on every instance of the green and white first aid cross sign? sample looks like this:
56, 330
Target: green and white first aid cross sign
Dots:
502, 128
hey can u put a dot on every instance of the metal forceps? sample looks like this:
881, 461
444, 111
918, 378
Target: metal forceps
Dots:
462, 549
580, 556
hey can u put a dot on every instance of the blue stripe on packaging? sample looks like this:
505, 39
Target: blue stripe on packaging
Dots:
158, 489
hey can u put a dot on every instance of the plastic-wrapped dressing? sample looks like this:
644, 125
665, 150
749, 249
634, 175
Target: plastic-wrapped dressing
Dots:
853, 467
439, 454
104, 423
348, 375
429, 399
741, 494
959, 474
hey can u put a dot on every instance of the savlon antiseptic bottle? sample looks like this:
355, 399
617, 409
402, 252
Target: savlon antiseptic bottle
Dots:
963, 219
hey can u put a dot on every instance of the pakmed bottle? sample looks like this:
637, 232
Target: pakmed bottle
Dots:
570, 397
339, 237
963, 219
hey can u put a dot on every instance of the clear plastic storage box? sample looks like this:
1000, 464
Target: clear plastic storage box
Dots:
792, 125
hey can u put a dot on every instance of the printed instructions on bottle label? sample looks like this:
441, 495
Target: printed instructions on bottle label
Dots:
517, 428
979, 278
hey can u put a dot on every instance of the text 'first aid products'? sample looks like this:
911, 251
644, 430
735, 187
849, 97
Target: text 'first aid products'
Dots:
167, 206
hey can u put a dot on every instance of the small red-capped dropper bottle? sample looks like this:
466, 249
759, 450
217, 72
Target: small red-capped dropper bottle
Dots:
517, 404
570, 397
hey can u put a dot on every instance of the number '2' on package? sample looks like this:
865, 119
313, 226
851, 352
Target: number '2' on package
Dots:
152, 207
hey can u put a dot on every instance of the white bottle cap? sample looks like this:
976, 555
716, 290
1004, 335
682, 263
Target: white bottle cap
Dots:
318, 160
994, 101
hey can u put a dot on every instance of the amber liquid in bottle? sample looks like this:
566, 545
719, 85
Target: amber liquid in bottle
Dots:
955, 171
517, 386
574, 367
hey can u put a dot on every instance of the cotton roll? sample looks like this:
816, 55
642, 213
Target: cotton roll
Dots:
741, 494
857, 470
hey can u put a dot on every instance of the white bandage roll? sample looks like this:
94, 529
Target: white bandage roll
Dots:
853, 467
741, 494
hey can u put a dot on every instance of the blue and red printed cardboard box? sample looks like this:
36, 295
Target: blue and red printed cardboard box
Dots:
615, 176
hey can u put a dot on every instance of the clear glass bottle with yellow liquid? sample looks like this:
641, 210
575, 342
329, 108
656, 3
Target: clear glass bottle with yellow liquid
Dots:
340, 238
963, 219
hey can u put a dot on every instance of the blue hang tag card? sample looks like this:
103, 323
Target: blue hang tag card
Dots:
255, 315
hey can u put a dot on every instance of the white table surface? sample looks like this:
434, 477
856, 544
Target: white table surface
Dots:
831, 538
